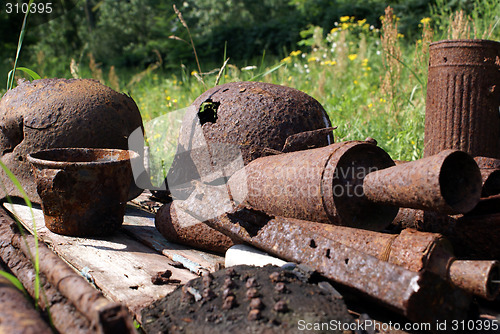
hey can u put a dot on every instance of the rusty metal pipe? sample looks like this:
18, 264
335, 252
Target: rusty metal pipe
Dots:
419, 296
416, 251
463, 97
478, 277
448, 182
323, 184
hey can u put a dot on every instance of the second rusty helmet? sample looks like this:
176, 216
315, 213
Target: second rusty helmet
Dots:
250, 119
57, 113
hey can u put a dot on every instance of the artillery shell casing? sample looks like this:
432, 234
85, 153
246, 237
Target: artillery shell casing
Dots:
448, 182
323, 184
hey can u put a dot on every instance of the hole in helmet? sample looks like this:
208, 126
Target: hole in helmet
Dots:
208, 111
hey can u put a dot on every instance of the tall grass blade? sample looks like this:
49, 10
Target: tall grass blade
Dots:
260, 75
11, 76
36, 258
12, 279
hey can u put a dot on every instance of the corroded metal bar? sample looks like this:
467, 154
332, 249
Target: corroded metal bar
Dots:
463, 97
178, 226
323, 184
65, 317
416, 251
17, 315
448, 182
419, 296
474, 235
106, 316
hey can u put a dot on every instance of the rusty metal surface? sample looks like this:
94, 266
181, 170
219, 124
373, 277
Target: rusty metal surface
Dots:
17, 314
245, 119
56, 113
323, 184
480, 277
414, 250
474, 235
448, 182
180, 227
463, 97
418, 296
104, 315
83, 191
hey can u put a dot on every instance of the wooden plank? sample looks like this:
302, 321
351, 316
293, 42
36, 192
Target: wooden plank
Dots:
119, 265
140, 224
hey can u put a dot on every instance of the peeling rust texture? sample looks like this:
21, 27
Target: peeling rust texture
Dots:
474, 235
105, 316
57, 113
258, 115
490, 173
323, 184
180, 227
65, 318
83, 191
465, 274
416, 251
418, 296
247, 119
463, 98
17, 315
448, 182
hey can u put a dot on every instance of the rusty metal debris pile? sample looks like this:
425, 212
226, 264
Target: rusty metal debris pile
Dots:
419, 237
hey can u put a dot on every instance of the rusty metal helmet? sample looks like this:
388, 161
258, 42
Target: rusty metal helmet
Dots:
57, 113
255, 118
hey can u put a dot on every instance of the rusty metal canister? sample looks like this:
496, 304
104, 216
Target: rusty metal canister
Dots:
463, 98
323, 184
448, 182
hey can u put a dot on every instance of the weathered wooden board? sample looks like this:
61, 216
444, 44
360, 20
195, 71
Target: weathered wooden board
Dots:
140, 224
119, 265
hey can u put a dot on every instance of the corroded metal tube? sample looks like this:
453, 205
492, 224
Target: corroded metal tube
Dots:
448, 182
463, 97
178, 226
323, 184
416, 251
421, 296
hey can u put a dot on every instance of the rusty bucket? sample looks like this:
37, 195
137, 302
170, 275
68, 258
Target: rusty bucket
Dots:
463, 98
83, 191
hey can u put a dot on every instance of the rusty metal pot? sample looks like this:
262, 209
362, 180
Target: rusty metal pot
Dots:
57, 113
463, 98
83, 191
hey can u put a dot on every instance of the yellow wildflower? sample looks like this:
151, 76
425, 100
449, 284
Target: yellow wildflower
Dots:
295, 53
400, 35
168, 98
334, 30
355, 82
364, 62
345, 26
290, 78
175, 100
352, 57
370, 105
311, 59
425, 20
361, 22
344, 18
286, 60
382, 100
194, 72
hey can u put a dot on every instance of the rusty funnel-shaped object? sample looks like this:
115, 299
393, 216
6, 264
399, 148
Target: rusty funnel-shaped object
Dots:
463, 98
356, 184
448, 182
323, 184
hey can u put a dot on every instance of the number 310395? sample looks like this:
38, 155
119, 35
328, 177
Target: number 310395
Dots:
36, 8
